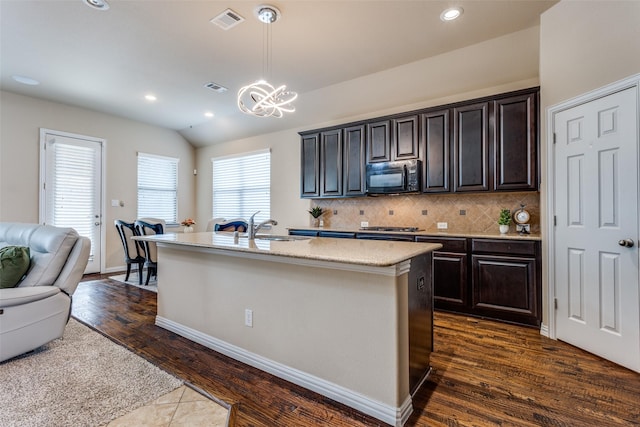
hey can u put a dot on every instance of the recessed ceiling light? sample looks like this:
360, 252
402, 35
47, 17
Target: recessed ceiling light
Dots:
208, 114
451, 14
97, 4
150, 97
25, 80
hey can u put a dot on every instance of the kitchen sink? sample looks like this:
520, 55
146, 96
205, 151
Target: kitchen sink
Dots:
281, 238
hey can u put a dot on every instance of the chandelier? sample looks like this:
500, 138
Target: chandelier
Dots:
261, 98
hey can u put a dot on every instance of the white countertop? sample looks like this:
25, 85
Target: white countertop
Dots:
351, 251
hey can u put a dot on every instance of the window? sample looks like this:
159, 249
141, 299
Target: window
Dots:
158, 187
242, 186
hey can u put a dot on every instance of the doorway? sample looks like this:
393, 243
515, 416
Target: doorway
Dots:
594, 227
71, 187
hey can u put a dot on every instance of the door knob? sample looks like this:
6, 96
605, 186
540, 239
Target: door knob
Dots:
627, 243
97, 223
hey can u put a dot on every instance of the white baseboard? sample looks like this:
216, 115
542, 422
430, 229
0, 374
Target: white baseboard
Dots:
395, 416
544, 330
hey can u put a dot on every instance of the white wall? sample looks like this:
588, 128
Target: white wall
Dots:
21, 118
495, 66
583, 45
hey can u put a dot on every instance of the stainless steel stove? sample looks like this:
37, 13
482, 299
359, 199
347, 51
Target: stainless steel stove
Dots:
397, 229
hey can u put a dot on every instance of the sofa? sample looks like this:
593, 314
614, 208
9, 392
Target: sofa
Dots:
37, 309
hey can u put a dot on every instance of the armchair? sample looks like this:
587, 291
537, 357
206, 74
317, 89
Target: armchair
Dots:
37, 310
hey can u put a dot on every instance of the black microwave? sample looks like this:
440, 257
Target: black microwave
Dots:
394, 177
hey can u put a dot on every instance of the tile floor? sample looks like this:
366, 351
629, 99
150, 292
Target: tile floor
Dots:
182, 407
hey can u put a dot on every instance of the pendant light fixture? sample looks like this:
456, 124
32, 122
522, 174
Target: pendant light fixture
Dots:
261, 98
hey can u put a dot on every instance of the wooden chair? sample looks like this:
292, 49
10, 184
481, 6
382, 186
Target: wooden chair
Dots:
144, 228
132, 250
232, 225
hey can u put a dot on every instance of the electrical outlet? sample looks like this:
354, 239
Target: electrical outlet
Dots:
364, 224
248, 318
443, 226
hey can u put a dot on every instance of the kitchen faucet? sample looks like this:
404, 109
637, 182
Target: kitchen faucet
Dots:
253, 229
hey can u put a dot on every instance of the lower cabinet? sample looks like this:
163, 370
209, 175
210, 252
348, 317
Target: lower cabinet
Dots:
498, 279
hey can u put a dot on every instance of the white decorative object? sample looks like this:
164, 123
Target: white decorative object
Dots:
261, 98
188, 229
504, 229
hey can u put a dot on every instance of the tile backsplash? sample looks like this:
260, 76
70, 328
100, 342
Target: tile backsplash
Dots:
462, 212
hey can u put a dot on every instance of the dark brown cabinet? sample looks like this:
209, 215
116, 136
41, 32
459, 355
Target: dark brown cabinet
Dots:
450, 272
310, 165
471, 148
435, 134
487, 144
354, 161
516, 140
405, 138
379, 141
331, 163
506, 281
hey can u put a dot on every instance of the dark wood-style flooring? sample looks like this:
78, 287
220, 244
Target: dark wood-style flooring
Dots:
485, 373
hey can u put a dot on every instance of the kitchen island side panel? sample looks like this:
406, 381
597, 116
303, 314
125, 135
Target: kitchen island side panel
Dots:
346, 327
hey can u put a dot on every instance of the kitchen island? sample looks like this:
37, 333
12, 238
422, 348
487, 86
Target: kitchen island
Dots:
351, 320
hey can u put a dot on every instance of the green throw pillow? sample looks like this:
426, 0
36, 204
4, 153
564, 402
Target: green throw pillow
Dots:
14, 263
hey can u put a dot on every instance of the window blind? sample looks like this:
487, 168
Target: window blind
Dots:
72, 190
242, 186
158, 187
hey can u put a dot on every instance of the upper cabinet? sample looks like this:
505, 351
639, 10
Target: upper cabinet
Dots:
471, 148
405, 143
487, 144
310, 165
354, 161
379, 141
516, 140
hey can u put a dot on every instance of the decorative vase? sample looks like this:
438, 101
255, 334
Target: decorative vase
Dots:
188, 229
316, 222
504, 228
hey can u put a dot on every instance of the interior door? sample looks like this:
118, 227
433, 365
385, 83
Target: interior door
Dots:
71, 187
596, 233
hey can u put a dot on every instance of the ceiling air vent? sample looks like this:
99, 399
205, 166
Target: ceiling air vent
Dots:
227, 19
215, 87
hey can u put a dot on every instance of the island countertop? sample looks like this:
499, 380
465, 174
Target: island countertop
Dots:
350, 251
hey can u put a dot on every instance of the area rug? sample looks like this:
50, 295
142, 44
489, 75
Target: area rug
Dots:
133, 281
82, 379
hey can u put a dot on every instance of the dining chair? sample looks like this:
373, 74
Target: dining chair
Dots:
237, 224
212, 222
133, 251
146, 228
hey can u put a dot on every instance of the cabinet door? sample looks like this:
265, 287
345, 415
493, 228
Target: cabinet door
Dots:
435, 134
471, 148
405, 138
354, 160
516, 143
331, 163
504, 287
450, 280
310, 165
378, 142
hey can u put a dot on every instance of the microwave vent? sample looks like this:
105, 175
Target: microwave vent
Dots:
227, 19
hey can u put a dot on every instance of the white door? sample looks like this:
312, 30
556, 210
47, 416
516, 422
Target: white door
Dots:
71, 187
596, 209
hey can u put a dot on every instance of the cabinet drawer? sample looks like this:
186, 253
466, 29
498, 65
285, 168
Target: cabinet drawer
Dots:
449, 244
296, 232
508, 247
338, 234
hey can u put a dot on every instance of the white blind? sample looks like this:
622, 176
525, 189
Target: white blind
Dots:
158, 187
72, 189
242, 186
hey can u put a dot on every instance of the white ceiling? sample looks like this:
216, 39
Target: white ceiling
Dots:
108, 60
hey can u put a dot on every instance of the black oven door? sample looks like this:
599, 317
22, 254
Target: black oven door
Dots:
385, 178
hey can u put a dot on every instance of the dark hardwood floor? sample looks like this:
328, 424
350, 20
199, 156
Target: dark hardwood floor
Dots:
485, 373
